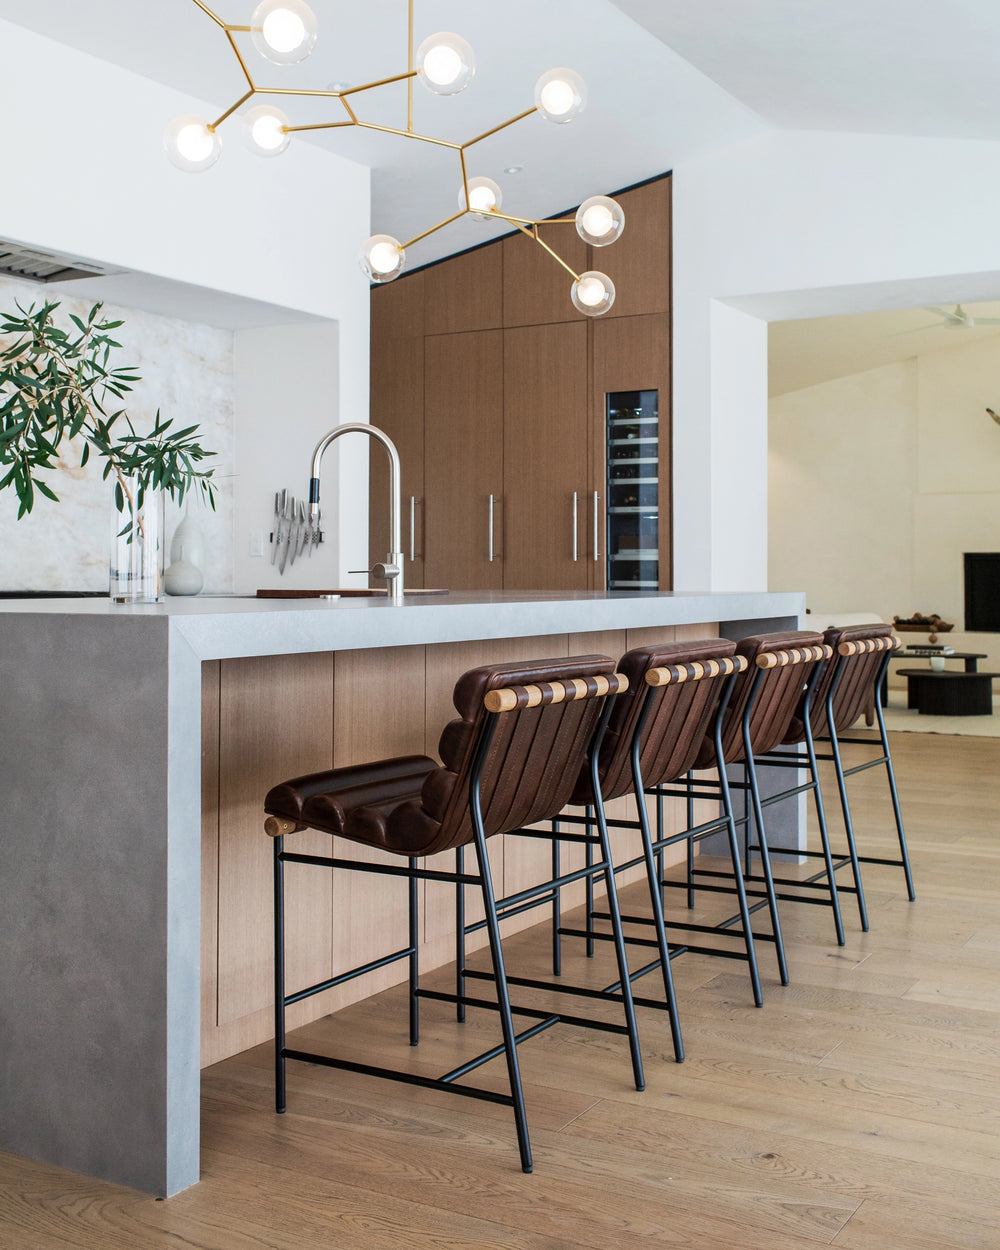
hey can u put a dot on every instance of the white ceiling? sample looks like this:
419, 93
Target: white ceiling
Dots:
667, 79
818, 349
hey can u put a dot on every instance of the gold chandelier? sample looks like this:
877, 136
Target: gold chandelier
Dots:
284, 32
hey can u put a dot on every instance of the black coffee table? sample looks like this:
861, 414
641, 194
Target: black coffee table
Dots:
949, 694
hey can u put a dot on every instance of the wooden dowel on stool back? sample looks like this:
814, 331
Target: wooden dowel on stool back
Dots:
511, 697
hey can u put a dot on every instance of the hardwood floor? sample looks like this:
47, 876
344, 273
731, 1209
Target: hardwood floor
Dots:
860, 1108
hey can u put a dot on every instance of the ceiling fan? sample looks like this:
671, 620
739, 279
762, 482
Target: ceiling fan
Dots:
959, 319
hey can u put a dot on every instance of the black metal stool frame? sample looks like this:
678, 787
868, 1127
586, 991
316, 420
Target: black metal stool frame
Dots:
701, 788
494, 913
853, 858
651, 858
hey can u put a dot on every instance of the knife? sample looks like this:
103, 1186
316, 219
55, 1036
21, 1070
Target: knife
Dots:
276, 528
303, 528
288, 531
293, 533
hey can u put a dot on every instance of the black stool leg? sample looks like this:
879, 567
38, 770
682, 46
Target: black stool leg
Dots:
656, 903
503, 994
279, 977
689, 844
460, 935
414, 963
765, 860
589, 884
903, 853
556, 904
619, 942
845, 807
824, 833
734, 854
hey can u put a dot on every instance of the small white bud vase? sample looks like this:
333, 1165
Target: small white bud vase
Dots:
187, 555
136, 571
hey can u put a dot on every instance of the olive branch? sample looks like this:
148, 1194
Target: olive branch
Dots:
57, 385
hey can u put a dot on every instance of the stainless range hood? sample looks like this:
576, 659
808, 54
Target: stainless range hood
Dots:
38, 265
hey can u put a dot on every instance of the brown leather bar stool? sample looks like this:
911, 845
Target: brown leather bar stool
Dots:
848, 686
782, 670
511, 759
654, 736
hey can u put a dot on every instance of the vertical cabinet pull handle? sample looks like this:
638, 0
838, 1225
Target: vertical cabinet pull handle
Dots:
597, 554
575, 517
413, 528
491, 529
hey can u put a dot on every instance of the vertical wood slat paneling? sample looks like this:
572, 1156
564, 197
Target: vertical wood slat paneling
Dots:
275, 723
379, 715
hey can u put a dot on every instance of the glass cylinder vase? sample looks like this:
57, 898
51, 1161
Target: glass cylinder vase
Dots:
137, 532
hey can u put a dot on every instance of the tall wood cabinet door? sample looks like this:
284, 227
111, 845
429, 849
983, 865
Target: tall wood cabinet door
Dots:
397, 408
633, 354
639, 262
546, 420
463, 460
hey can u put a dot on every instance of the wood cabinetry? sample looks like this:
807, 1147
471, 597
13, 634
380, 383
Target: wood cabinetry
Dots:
547, 487
464, 460
491, 385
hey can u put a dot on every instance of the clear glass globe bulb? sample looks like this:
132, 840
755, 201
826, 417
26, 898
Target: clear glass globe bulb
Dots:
593, 293
265, 131
283, 31
484, 196
560, 95
190, 144
382, 258
600, 220
445, 63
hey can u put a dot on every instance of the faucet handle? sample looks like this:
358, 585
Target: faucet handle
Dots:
385, 570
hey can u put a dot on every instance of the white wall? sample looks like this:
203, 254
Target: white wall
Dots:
286, 381
898, 470
789, 225
87, 176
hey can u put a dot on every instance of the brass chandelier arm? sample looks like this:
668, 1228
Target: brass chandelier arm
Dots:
292, 130
441, 224
533, 234
410, 134
503, 126
409, 66
239, 56
380, 82
214, 16
232, 109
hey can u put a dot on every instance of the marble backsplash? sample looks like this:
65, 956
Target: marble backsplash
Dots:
187, 372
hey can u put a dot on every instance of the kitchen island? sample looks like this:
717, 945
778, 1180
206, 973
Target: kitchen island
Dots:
137, 744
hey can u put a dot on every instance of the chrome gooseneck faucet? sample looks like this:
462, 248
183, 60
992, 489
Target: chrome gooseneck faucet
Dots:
392, 569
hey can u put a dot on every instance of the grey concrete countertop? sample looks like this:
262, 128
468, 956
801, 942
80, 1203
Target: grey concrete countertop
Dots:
225, 627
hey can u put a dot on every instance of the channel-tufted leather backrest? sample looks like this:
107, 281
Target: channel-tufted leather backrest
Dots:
680, 715
855, 690
778, 697
533, 761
